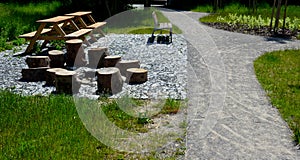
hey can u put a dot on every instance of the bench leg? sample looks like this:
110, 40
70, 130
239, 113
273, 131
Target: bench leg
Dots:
30, 46
171, 35
45, 43
100, 31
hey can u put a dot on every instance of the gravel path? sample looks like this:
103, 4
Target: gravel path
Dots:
229, 114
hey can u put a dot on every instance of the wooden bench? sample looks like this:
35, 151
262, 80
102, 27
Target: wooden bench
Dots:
30, 35
79, 34
96, 25
161, 26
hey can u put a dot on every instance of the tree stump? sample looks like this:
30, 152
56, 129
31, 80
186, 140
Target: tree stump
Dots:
34, 74
96, 57
50, 75
111, 61
109, 80
66, 82
75, 53
123, 65
136, 75
37, 61
57, 59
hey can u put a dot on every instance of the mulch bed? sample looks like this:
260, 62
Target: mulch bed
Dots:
261, 31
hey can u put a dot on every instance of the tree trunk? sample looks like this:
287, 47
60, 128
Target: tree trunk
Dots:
273, 10
254, 6
284, 16
216, 5
277, 16
107, 7
147, 3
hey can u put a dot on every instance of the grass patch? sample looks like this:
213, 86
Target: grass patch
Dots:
16, 19
279, 72
242, 13
38, 127
136, 21
171, 106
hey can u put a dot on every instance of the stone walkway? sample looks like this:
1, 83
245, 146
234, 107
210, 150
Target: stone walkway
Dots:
229, 114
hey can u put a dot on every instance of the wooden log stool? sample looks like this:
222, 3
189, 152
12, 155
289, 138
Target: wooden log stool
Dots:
136, 76
123, 65
37, 61
34, 74
109, 80
57, 59
66, 82
75, 53
96, 57
50, 75
111, 61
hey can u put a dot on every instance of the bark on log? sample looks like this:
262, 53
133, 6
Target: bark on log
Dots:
57, 59
34, 74
75, 53
50, 75
136, 75
109, 80
111, 61
96, 57
37, 61
66, 82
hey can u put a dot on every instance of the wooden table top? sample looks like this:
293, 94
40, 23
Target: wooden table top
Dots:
55, 19
82, 13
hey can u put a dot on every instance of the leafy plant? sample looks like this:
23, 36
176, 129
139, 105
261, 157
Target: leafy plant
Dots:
256, 21
171, 106
57, 44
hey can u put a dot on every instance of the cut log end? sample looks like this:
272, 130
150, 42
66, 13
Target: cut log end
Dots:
123, 65
57, 59
109, 80
65, 82
137, 75
111, 61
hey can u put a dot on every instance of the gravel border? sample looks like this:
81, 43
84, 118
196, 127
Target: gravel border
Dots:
166, 65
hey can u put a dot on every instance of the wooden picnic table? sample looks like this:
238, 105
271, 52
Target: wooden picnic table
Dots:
55, 32
90, 24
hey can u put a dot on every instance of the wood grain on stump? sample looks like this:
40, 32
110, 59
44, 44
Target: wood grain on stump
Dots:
65, 82
111, 61
136, 75
37, 61
109, 80
75, 53
96, 57
50, 75
34, 74
57, 59
123, 65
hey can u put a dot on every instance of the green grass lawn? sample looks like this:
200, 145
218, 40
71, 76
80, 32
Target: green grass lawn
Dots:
38, 127
16, 19
279, 74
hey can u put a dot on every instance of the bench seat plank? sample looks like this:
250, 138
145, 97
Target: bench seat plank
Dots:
165, 25
31, 34
96, 25
78, 33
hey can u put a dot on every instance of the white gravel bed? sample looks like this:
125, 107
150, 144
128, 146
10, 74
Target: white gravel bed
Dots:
166, 65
